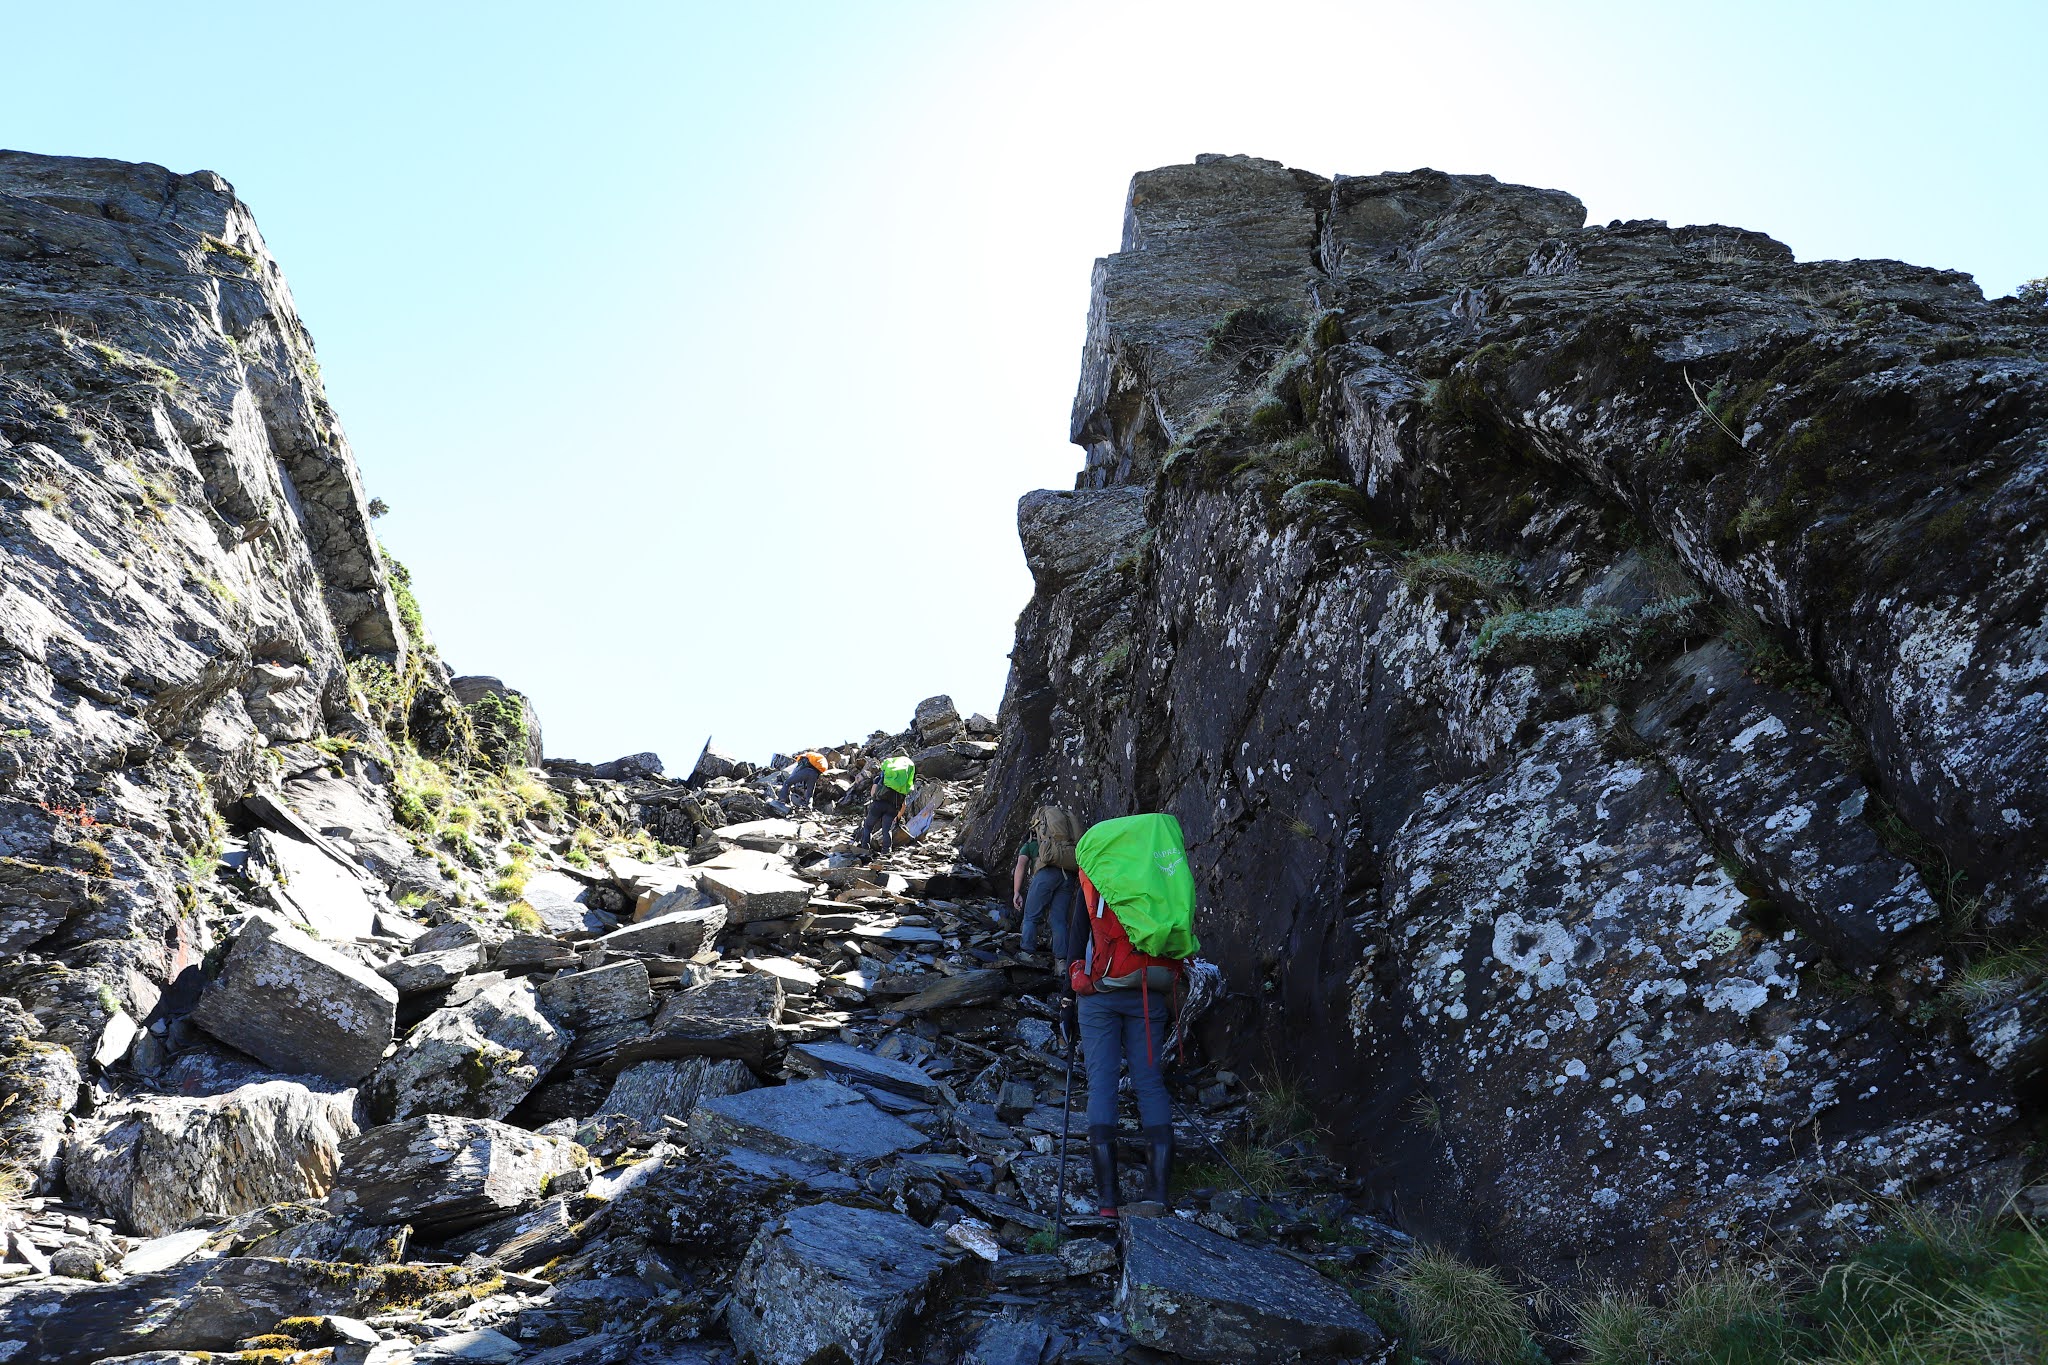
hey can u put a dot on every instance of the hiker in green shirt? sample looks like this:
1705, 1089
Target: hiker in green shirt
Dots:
1047, 860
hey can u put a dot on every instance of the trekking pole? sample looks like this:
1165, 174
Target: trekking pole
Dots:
1059, 1212
1217, 1148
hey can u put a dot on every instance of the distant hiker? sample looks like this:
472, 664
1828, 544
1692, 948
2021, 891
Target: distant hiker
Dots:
1140, 902
802, 780
891, 785
1045, 882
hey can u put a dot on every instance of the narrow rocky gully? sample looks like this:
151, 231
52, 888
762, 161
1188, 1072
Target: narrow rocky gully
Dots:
769, 1088
1599, 671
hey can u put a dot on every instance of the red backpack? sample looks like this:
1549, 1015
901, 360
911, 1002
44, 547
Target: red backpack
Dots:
1112, 963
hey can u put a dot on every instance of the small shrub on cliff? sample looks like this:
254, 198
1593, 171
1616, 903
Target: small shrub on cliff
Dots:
2034, 292
1464, 1309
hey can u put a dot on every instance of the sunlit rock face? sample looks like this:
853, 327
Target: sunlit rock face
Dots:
1603, 678
186, 565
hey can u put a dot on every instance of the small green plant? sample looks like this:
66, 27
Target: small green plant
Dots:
524, 918
1467, 1310
1491, 577
215, 246
1042, 1242
1613, 1329
1425, 1112
2034, 292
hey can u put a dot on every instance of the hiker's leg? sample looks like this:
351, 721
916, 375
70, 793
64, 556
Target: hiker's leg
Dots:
1102, 1048
1144, 1042
1059, 911
1037, 899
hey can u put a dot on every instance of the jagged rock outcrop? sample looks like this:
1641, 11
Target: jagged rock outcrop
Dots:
188, 560
1601, 673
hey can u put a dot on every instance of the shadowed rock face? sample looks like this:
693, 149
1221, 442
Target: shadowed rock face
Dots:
1567, 650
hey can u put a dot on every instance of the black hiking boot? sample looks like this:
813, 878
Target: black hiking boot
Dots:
1102, 1152
1158, 1174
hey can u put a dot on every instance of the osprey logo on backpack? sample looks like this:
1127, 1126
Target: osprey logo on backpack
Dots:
1170, 861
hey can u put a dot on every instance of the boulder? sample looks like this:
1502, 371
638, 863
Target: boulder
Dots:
840, 1062
612, 994
162, 1164
834, 1283
821, 1122
477, 1059
507, 726
1008, 1340
311, 887
730, 1017
638, 767
1189, 1291
955, 992
419, 972
564, 906
40, 1080
936, 719
648, 1092
204, 1305
752, 894
443, 1174
680, 933
713, 763
298, 1005
518, 1240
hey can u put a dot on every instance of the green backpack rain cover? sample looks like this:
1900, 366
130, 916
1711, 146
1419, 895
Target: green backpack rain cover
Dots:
1140, 866
899, 774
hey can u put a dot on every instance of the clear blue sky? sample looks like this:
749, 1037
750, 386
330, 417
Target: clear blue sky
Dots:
703, 350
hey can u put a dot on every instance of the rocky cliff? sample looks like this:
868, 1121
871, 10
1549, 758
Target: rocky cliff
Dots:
1601, 673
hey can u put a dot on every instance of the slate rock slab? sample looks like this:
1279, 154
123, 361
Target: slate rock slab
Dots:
611, 994
680, 933
1189, 1291
756, 893
957, 992
203, 1305
477, 1059
312, 888
298, 1005
830, 1282
840, 1062
648, 1092
731, 1017
443, 1174
816, 1121
163, 1164
435, 969
563, 904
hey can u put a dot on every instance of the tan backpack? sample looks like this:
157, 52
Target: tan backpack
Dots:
1054, 828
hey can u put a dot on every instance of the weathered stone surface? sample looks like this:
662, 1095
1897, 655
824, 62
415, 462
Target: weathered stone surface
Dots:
563, 904
42, 1080
518, 1240
648, 1092
730, 1017
477, 1059
936, 719
205, 1305
443, 1174
1456, 487
681, 933
162, 1164
163, 415
1007, 1339
611, 994
1205, 1297
298, 1005
956, 992
832, 1282
816, 1121
419, 972
840, 1062
507, 726
751, 894
310, 888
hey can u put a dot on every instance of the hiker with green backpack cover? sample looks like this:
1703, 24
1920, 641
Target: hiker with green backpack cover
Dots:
1140, 899
891, 785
